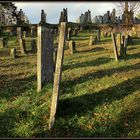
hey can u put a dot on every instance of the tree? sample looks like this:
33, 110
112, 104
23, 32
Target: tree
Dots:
128, 10
132, 6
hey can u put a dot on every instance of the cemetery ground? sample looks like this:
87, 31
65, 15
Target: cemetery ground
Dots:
99, 97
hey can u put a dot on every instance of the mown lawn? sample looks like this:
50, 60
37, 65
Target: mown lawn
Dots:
99, 97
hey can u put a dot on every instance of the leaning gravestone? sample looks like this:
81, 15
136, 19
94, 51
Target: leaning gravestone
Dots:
115, 46
45, 64
58, 73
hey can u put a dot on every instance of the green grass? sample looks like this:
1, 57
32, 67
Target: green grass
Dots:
99, 97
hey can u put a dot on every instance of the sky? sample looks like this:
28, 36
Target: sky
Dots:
53, 9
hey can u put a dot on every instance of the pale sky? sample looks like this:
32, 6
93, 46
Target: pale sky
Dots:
53, 9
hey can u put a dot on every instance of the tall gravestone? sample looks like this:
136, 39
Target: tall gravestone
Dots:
114, 46
45, 62
58, 73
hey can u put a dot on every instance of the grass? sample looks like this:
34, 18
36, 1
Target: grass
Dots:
99, 97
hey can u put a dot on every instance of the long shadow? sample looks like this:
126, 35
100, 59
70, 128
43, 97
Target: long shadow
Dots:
133, 56
128, 120
14, 88
93, 75
104, 41
4, 53
82, 104
14, 65
7, 120
91, 50
97, 62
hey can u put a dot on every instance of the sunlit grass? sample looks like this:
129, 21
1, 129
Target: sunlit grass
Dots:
99, 97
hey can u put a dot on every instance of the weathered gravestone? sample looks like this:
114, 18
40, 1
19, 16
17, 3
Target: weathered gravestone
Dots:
19, 33
118, 40
1, 43
102, 34
34, 46
22, 45
58, 72
13, 53
69, 34
24, 34
115, 46
21, 41
124, 46
91, 40
98, 35
45, 64
72, 47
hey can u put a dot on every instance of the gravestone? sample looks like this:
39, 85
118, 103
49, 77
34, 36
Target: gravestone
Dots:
34, 46
72, 47
21, 41
102, 34
24, 34
115, 46
19, 33
13, 53
58, 73
98, 35
1, 43
123, 46
91, 40
45, 64
118, 40
69, 34
22, 45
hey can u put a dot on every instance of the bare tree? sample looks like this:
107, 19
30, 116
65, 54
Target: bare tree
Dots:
132, 6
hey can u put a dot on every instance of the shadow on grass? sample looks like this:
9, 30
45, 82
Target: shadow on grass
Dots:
104, 41
81, 105
91, 50
14, 65
133, 56
13, 88
98, 74
97, 62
